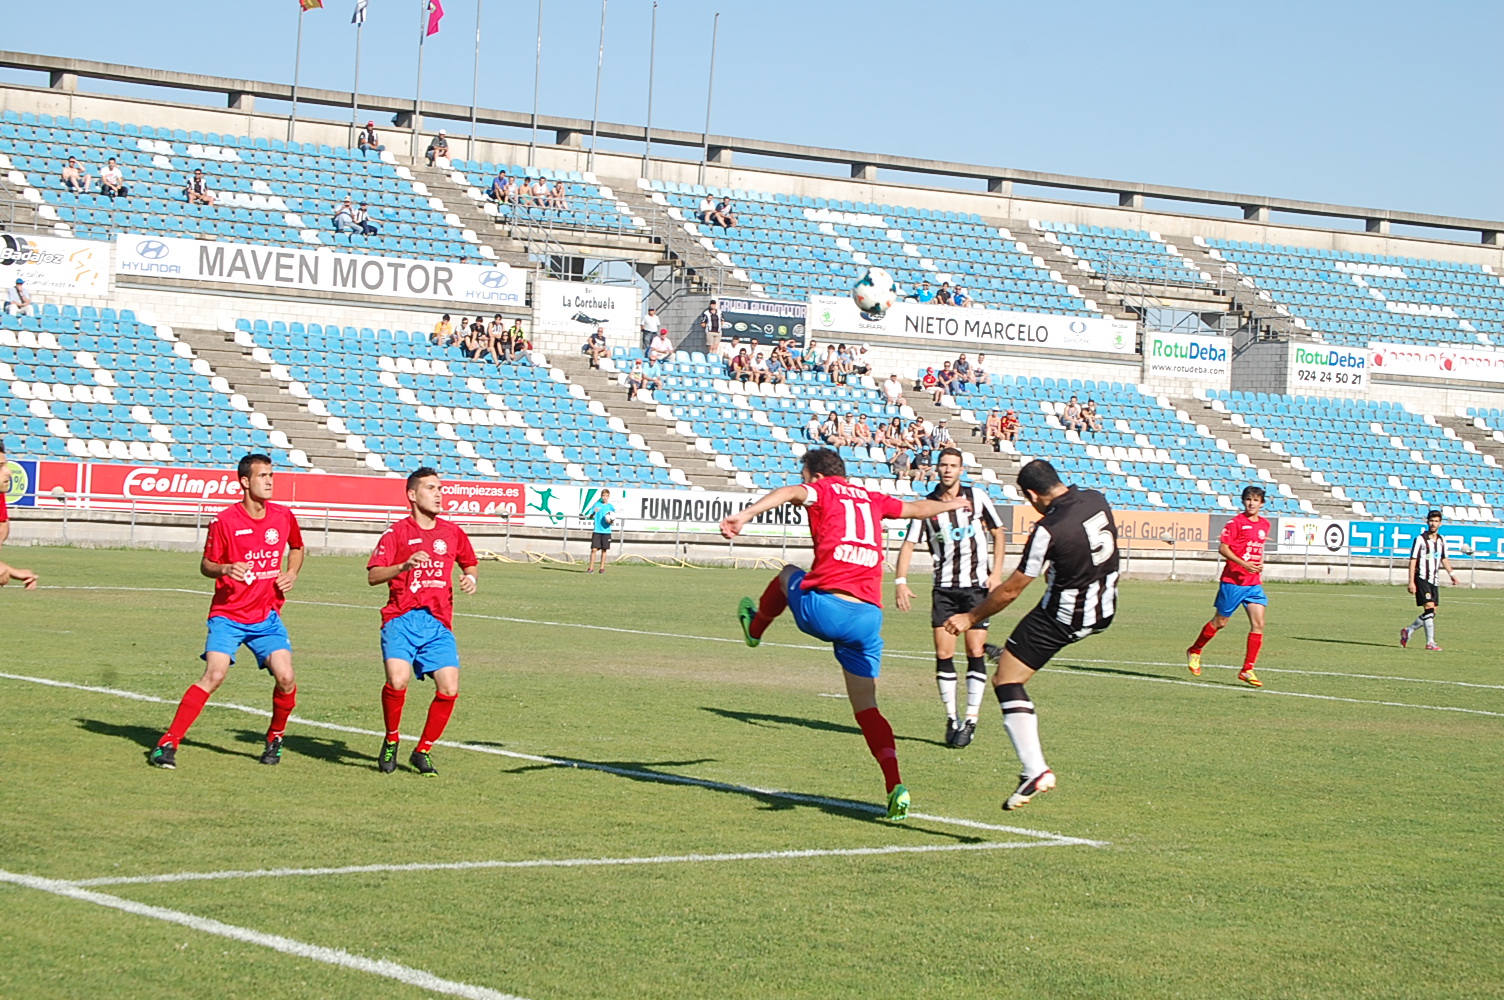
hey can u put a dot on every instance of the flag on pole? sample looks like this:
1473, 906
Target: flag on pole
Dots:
310, 4
360, 12
435, 12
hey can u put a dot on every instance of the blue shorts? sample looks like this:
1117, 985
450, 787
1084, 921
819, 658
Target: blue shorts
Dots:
854, 628
422, 640
263, 638
1231, 597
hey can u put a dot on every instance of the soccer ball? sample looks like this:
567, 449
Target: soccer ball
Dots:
874, 293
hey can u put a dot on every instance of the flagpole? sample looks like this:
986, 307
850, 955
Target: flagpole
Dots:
532, 147
715, 30
355, 88
297, 67
595, 119
474, 86
418, 95
647, 152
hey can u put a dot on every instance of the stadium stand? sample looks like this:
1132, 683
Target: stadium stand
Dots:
590, 205
1131, 253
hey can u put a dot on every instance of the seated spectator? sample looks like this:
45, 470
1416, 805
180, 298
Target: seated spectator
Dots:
979, 374
945, 380
368, 142
1010, 426
500, 186
797, 356
861, 433
537, 193
960, 298
944, 297
501, 347
898, 461
1070, 418
812, 429
595, 348
112, 181
830, 431
558, 198
831, 364
893, 391
642, 377
963, 371
497, 327
760, 368
723, 215
17, 300
928, 382
438, 149
940, 437
892, 434
846, 427
197, 190
344, 216
519, 344
783, 356
741, 366
660, 348
706, 210
992, 430
924, 464
845, 364
778, 374
363, 221
75, 177
924, 294
1090, 417
470, 342
442, 330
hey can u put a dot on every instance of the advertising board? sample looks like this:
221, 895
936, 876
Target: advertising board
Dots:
54, 265
576, 308
986, 328
1186, 356
1439, 361
1321, 370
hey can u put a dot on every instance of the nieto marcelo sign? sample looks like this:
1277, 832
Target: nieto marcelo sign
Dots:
1187, 356
1320, 370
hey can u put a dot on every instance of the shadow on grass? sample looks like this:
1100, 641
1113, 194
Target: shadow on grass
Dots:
1344, 642
1082, 668
768, 720
330, 750
147, 738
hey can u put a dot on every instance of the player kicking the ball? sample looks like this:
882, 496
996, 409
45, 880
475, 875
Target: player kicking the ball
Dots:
1242, 549
1078, 540
416, 559
839, 600
1428, 557
243, 556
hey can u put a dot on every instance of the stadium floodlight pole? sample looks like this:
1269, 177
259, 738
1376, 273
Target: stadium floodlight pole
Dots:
647, 149
474, 86
715, 30
595, 118
532, 146
297, 67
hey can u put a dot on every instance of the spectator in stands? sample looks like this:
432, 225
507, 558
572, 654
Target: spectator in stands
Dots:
893, 391
706, 210
442, 331
928, 382
960, 298
778, 373
1070, 417
344, 216
992, 430
651, 324
112, 181
945, 382
925, 293
470, 341
944, 297
892, 434
723, 215
75, 178
962, 369
642, 377
760, 368
830, 431
497, 327
1090, 417
711, 324
17, 300
519, 344
812, 429
979, 374
741, 366
438, 149
537, 193
798, 355
899, 461
660, 348
861, 432
859, 363
831, 363
558, 198
924, 463
940, 438
595, 348
197, 190
782, 355
501, 186
846, 427
501, 347
364, 223
1010, 426
368, 142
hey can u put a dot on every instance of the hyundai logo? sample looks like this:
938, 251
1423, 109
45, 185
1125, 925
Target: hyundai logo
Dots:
151, 249
1078, 326
494, 278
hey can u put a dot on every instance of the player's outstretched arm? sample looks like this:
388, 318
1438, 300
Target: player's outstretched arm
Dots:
733, 525
25, 577
929, 508
467, 581
996, 600
902, 595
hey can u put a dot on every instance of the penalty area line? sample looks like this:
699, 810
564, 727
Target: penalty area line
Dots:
276, 942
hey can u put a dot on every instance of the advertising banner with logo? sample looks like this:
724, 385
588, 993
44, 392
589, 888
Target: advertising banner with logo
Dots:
318, 270
1153, 529
577, 308
1187, 356
1449, 361
986, 328
1388, 539
1313, 536
52, 265
19, 481
764, 322
1318, 370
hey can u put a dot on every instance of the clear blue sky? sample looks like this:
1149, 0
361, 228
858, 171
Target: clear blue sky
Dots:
1382, 104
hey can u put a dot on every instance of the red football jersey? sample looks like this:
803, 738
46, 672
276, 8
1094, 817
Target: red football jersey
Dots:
846, 523
428, 585
235, 536
1245, 537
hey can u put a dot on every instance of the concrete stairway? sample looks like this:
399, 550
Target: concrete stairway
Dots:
702, 270
1488, 442
304, 430
458, 202
1241, 296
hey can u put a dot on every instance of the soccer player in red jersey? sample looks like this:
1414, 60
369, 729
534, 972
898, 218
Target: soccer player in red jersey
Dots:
839, 600
243, 556
1242, 548
416, 559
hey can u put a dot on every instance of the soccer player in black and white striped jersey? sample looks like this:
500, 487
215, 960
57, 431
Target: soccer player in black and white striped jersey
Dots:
1428, 557
964, 572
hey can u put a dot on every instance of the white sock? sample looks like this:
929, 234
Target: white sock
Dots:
976, 686
1023, 728
945, 680
1420, 621
1430, 629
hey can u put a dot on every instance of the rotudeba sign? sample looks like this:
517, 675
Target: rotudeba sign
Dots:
988, 328
1186, 356
1319, 370
318, 270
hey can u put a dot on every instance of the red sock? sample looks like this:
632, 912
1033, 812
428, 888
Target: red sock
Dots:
879, 736
1255, 642
774, 602
439, 711
1207, 631
282, 706
391, 710
192, 703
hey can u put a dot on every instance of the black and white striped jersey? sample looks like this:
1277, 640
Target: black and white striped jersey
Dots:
957, 539
1075, 546
1428, 553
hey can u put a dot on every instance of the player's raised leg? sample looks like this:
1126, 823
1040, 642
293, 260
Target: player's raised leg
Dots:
216, 665
755, 616
1022, 725
1208, 632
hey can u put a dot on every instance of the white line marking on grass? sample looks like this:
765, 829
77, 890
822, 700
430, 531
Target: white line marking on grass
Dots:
276, 942
585, 765
661, 859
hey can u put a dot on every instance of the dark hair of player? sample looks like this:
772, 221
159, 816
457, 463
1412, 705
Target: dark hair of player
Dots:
949, 451
1254, 492
420, 473
824, 462
1435, 513
249, 462
1038, 476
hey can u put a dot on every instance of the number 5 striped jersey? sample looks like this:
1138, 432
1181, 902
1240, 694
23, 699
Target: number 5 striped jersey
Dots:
1078, 540
846, 523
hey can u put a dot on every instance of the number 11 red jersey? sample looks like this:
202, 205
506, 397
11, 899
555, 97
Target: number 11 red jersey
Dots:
846, 523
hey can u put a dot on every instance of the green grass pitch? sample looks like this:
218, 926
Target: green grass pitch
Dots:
1337, 834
